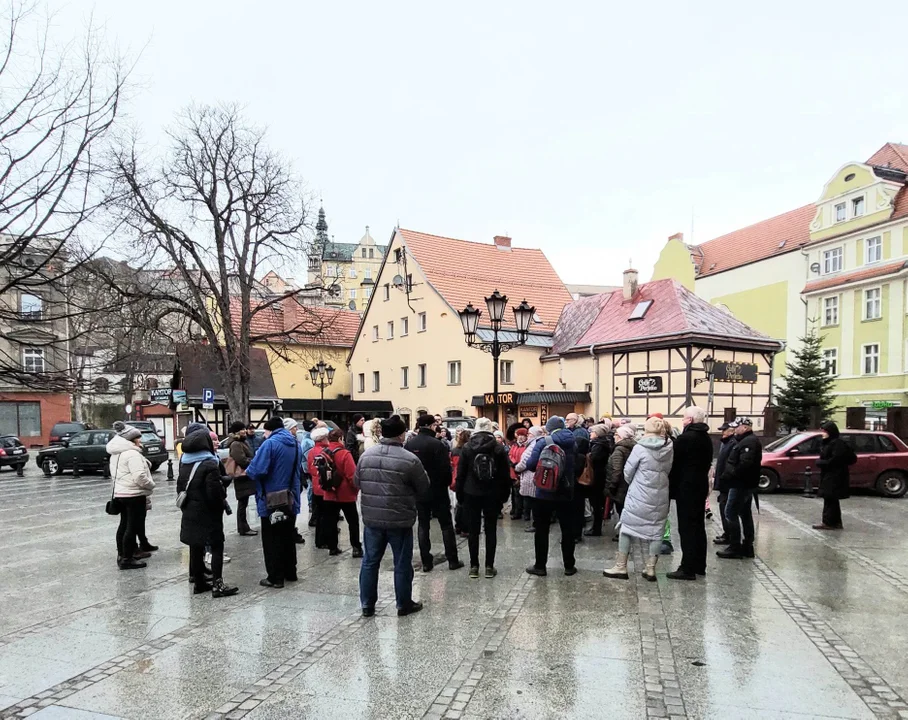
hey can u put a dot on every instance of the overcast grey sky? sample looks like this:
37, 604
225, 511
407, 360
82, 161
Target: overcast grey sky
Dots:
590, 129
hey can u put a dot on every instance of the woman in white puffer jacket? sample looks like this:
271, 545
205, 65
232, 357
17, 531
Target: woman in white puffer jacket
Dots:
132, 484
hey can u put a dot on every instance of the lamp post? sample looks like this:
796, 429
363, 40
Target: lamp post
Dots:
709, 367
322, 376
496, 304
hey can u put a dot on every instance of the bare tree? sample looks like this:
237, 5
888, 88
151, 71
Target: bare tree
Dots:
57, 105
204, 224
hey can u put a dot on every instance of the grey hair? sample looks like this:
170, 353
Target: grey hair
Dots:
696, 414
600, 430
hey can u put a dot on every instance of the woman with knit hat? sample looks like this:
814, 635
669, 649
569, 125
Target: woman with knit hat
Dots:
647, 502
535, 435
133, 485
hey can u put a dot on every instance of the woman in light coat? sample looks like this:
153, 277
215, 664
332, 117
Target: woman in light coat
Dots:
132, 482
527, 477
646, 505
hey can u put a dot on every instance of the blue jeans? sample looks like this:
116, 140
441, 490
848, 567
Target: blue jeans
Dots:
738, 515
375, 540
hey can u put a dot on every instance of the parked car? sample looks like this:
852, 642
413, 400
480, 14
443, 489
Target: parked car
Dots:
63, 431
12, 452
146, 425
882, 462
89, 449
456, 422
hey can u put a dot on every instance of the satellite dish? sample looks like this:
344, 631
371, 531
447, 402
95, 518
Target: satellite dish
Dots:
815, 268
397, 281
352, 305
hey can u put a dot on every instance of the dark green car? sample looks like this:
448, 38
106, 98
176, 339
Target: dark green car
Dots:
89, 449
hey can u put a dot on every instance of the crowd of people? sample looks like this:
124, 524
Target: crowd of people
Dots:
572, 471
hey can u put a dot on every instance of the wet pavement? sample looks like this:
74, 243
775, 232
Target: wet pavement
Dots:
816, 626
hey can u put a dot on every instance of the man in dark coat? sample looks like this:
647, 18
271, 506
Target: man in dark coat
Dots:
577, 428
835, 479
351, 442
689, 486
728, 443
436, 459
392, 482
742, 478
483, 486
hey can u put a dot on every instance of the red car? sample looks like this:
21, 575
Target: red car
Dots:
882, 462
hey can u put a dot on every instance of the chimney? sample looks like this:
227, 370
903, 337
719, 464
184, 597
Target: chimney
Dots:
289, 306
630, 283
677, 236
503, 242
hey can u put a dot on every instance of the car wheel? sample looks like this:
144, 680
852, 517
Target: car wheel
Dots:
769, 481
892, 483
155, 466
52, 467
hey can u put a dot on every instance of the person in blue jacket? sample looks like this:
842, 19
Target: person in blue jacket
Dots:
559, 501
276, 467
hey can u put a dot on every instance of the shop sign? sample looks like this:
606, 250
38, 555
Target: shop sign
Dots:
179, 398
500, 399
159, 395
735, 372
643, 385
881, 404
528, 411
543, 414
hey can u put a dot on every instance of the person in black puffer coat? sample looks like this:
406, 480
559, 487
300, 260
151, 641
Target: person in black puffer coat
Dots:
601, 447
835, 480
689, 486
741, 477
728, 444
203, 510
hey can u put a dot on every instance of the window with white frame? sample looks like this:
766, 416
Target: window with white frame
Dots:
363, 252
30, 306
840, 212
857, 206
507, 372
831, 310
352, 273
404, 326
367, 293
831, 361
405, 377
874, 252
353, 293
390, 334
832, 260
421, 322
871, 363
375, 333
331, 271
387, 292
454, 372
33, 360
872, 304
367, 273
376, 381
422, 374
362, 382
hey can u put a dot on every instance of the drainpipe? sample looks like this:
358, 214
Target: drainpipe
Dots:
806, 279
595, 382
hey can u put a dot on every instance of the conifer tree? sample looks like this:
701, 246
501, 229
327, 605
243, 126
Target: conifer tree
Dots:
807, 385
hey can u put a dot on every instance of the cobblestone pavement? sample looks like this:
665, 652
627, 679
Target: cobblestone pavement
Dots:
814, 627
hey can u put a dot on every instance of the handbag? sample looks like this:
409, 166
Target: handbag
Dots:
586, 477
283, 499
181, 497
113, 505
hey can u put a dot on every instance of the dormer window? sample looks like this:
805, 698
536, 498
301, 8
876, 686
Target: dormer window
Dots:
840, 212
640, 310
857, 207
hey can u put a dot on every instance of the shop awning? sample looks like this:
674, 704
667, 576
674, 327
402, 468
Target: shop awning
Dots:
549, 398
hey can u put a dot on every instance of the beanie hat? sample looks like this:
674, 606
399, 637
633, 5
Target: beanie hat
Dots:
195, 427
130, 433
483, 425
308, 425
425, 420
555, 423
290, 424
393, 427
655, 415
237, 426
626, 432
654, 426
119, 426
319, 434
521, 431
536, 431
275, 422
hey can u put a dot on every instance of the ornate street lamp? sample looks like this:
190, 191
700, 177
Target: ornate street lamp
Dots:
496, 304
322, 376
709, 367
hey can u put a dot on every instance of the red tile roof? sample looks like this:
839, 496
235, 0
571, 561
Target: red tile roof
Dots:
762, 240
675, 313
463, 272
290, 322
855, 276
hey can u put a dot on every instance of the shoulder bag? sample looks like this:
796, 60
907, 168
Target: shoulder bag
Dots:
181, 497
113, 505
283, 499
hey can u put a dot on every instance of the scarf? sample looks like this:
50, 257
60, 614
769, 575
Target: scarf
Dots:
188, 458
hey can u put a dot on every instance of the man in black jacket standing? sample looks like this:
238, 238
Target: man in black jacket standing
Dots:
689, 486
741, 477
436, 459
728, 444
351, 441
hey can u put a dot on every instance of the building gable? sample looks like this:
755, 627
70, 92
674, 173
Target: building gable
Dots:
854, 198
676, 261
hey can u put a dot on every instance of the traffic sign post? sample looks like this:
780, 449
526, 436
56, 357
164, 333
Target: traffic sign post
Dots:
207, 399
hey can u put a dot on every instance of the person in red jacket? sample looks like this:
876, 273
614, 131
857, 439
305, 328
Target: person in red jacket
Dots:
329, 454
515, 452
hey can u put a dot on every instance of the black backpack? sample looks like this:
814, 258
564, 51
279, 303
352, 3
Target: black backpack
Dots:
484, 468
328, 477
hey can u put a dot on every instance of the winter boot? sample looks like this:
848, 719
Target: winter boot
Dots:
619, 571
219, 589
649, 572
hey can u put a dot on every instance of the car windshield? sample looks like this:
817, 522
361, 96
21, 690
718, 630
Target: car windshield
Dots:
456, 422
786, 442
150, 437
7, 442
